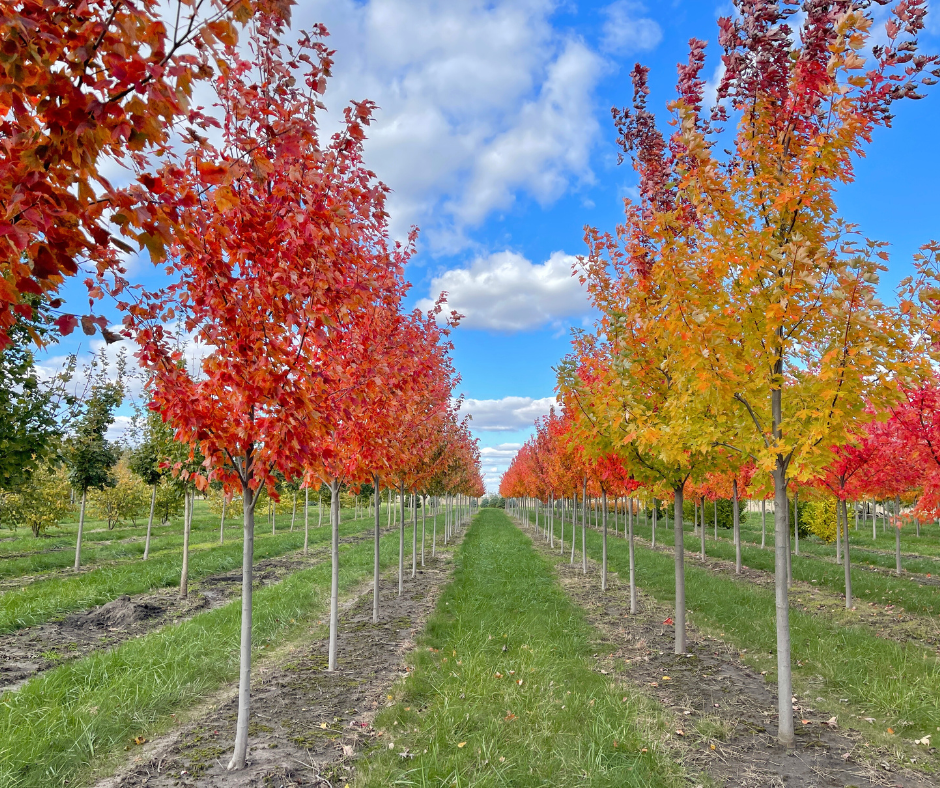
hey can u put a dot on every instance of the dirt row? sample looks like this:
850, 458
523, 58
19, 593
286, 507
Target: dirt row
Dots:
308, 725
32, 650
724, 712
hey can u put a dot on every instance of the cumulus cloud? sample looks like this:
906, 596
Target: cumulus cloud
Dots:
508, 414
628, 30
507, 292
478, 100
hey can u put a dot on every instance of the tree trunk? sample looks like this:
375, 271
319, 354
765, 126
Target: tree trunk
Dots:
375, 563
584, 516
273, 516
293, 516
716, 519
737, 527
632, 560
414, 536
897, 533
320, 521
796, 521
334, 580
561, 522
838, 532
701, 532
222, 523
401, 544
306, 518
679, 551
81, 527
655, 517
574, 523
244, 670
846, 559
187, 525
781, 553
153, 503
424, 522
604, 540
763, 523
434, 527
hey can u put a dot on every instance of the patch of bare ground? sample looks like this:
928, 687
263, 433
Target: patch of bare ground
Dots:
29, 651
725, 713
308, 724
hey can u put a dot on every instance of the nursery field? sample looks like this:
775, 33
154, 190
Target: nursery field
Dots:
502, 663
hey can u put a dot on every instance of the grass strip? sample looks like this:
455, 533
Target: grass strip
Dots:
896, 683
503, 692
45, 600
76, 717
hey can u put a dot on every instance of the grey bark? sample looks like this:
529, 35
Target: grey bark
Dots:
293, 516
796, 521
701, 532
604, 540
306, 518
375, 564
414, 536
632, 560
679, 551
763, 524
334, 579
244, 670
737, 527
424, 523
655, 516
897, 533
401, 544
187, 525
153, 503
782, 600
222, 523
81, 527
584, 516
574, 522
846, 559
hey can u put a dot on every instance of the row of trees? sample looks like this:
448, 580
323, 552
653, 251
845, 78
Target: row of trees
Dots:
275, 252
741, 334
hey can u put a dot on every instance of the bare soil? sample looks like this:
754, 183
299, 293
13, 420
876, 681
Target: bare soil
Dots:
725, 713
308, 725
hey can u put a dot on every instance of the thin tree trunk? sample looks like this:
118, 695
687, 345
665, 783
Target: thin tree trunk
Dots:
434, 527
847, 561
632, 560
604, 540
187, 525
320, 520
401, 544
679, 551
561, 520
716, 519
81, 527
414, 536
293, 516
222, 522
273, 516
574, 523
763, 523
782, 599
244, 670
701, 532
874, 521
737, 527
306, 518
153, 503
655, 517
334, 579
375, 564
796, 521
424, 523
897, 533
584, 516
838, 532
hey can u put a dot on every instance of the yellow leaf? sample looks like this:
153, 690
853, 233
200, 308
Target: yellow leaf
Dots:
462, 744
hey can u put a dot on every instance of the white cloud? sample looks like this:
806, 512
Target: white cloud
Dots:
627, 30
506, 292
478, 100
502, 452
508, 414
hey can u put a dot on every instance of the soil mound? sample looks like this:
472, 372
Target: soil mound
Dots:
120, 613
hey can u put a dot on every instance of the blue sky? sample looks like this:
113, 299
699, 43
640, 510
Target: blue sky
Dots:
494, 134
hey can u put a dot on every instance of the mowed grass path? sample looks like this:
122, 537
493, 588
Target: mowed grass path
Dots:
503, 691
74, 718
897, 684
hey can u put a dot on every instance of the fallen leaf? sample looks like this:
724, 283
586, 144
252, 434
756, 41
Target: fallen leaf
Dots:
668, 622
462, 744
140, 740
712, 746
323, 725
890, 730
666, 678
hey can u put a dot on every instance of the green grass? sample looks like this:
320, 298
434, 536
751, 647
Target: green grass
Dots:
44, 600
549, 720
898, 684
76, 717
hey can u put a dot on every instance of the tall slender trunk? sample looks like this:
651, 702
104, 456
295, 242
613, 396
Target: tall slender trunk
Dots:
838, 531
737, 527
273, 516
897, 533
604, 540
375, 562
153, 503
701, 532
763, 523
424, 522
874, 522
222, 522
655, 517
334, 578
561, 521
434, 527
306, 519
584, 516
574, 523
846, 560
81, 527
679, 551
320, 520
782, 601
716, 518
796, 521
632, 560
414, 536
401, 544
551, 522
244, 669
187, 525
293, 516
